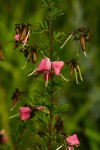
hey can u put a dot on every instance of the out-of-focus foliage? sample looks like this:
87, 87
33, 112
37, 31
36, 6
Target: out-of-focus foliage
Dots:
83, 116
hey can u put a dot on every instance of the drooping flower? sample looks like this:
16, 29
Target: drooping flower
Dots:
72, 141
73, 66
22, 33
3, 137
25, 113
48, 68
82, 34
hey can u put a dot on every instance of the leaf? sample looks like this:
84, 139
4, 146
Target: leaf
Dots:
55, 13
46, 25
42, 117
59, 37
61, 108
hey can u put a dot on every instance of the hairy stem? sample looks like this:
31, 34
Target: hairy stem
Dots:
51, 94
51, 39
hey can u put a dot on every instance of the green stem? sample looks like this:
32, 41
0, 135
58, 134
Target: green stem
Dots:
51, 39
50, 124
51, 94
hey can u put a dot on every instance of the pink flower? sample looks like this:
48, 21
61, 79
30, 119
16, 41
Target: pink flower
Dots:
46, 67
3, 137
25, 112
57, 66
72, 141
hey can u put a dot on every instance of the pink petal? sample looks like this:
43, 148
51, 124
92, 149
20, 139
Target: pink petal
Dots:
25, 112
73, 140
17, 37
57, 66
45, 65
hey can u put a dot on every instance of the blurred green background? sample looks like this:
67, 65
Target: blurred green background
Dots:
83, 116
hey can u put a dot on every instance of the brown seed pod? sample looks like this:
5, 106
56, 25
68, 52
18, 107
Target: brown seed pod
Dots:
24, 31
83, 42
33, 54
2, 57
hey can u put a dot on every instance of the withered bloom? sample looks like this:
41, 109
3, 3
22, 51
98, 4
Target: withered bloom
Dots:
74, 67
30, 53
17, 30
22, 34
16, 98
83, 35
2, 58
